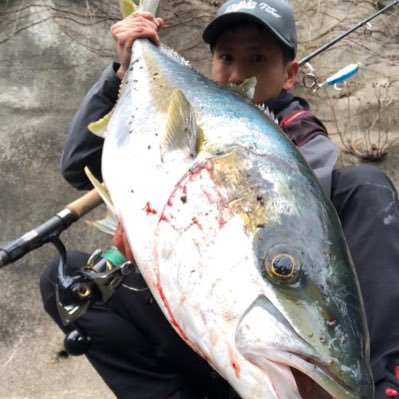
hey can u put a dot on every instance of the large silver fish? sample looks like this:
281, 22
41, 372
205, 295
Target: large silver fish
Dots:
233, 234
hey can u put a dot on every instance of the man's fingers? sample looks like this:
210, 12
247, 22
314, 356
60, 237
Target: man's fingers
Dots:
144, 14
138, 25
132, 31
138, 19
159, 22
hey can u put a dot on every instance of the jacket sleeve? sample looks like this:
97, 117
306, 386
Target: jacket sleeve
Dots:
82, 148
321, 154
310, 136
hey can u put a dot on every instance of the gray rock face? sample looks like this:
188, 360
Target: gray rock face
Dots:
51, 52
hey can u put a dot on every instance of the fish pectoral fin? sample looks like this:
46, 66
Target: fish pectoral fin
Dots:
127, 7
246, 89
102, 191
181, 131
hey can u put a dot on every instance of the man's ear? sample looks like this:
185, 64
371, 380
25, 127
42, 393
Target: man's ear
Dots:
291, 71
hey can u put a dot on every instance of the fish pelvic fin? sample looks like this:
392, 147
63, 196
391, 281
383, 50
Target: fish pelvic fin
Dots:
181, 132
109, 224
128, 7
246, 89
102, 191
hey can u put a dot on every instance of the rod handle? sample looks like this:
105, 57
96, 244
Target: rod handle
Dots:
85, 204
35, 238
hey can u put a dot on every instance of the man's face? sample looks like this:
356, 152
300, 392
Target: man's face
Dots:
247, 52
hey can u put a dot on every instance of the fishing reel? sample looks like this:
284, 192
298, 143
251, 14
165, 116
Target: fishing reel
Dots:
95, 283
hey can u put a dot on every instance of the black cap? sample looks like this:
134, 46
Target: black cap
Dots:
276, 15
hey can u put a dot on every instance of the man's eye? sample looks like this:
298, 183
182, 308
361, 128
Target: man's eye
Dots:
226, 57
257, 58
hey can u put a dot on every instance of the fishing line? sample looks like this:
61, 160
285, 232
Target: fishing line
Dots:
363, 61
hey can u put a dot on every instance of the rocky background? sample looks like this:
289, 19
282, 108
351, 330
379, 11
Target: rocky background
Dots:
52, 51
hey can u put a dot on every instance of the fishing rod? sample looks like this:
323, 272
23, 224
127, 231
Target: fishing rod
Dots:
306, 59
42, 234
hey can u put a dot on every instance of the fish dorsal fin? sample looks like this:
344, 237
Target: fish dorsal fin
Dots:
174, 55
246, 89
181, 127
268, 112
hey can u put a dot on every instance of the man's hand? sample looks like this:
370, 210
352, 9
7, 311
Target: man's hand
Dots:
136, 26
120, 241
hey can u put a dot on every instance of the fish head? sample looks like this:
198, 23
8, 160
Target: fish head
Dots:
308, 316
260, 279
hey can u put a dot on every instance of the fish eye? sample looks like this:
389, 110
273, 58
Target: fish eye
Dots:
282, 267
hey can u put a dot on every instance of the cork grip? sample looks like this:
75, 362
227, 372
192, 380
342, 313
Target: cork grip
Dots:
85, 204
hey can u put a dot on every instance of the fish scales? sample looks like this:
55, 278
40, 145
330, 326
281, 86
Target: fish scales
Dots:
233, 234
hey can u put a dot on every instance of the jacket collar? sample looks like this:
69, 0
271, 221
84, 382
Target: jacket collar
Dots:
286, 101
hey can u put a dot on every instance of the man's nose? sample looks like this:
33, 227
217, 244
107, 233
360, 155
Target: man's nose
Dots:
237, 76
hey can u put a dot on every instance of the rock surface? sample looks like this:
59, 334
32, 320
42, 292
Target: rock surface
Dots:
50, 53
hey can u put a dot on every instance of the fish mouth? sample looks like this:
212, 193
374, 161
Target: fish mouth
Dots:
294, 368
308, 388
312, 380
306, 379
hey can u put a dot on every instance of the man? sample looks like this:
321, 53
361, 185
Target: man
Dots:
133, 348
